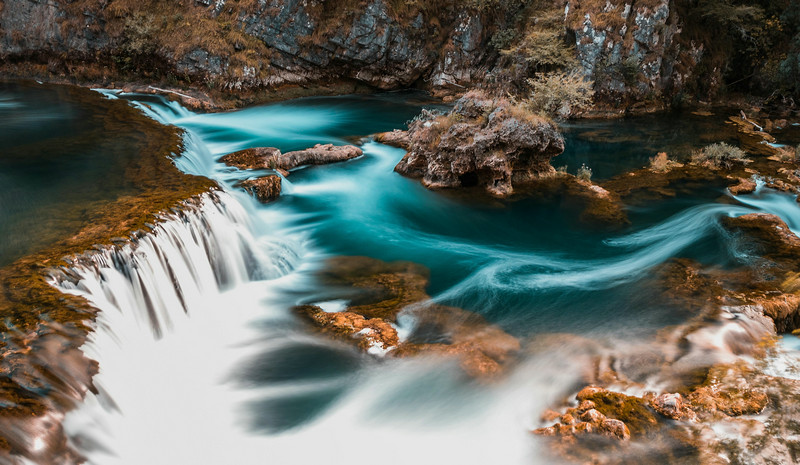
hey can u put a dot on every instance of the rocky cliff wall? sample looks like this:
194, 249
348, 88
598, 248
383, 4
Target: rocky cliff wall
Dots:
637, 52
239, 45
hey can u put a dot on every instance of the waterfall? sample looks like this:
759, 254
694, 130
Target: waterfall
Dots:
202, 249
175, 305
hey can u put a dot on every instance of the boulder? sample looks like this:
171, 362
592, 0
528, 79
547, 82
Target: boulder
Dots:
318, 155
486, 142
265, 189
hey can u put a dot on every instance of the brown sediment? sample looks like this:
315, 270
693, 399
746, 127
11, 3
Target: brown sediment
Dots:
379, 291
34, 315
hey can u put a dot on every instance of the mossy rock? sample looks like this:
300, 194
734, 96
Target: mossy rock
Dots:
633, 411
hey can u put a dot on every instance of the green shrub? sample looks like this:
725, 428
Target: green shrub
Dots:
719, 155
560, 94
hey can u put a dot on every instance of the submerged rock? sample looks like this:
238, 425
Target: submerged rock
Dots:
371, 333
377, 292
265, 189
483, 349
485, 142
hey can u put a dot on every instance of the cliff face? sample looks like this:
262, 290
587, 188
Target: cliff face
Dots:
635, 51
237, 45
631, 49
640, 50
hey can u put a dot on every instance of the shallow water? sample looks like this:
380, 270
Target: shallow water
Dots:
61, 152
222, 371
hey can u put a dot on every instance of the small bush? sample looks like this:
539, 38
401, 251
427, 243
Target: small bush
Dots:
661, 163
545, 50
560, 94
584, 173
503, 38
720, 155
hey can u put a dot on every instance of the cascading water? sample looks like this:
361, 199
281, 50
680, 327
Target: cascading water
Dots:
202, 362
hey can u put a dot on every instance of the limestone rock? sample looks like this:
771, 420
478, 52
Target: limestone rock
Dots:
265, 189
318, 155
674, 406
744, 186
378, 291
371, 334
396, 138
484, 142
272, 158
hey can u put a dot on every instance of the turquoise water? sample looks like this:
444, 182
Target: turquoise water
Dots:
528, 265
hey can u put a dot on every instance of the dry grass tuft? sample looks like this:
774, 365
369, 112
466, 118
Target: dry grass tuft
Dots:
662, 164
719, 155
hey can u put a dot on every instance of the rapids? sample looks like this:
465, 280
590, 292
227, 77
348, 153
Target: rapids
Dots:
201, 360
